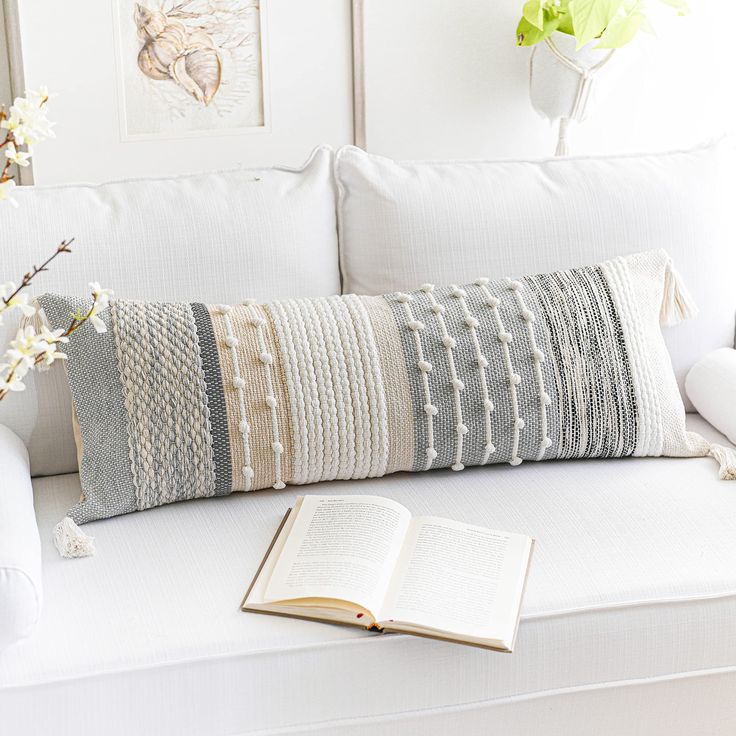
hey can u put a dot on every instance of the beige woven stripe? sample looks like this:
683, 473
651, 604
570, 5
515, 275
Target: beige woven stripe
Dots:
259, 413
282, 398
395, 382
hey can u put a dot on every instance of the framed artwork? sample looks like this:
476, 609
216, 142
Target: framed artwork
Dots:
191, 67
163, 87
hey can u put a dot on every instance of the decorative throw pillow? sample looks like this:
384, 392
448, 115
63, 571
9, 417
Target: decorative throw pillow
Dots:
180, 401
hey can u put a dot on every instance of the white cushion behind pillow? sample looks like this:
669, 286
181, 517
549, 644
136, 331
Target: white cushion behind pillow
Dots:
404, 223
262, 233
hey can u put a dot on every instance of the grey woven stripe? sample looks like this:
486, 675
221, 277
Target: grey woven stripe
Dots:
170, 444
471, 401
595, 392
496, 376
215, 399
439, 383
528, 391
92, 367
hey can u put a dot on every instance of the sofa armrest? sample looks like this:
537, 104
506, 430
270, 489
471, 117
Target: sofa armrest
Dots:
20, 544
711, 386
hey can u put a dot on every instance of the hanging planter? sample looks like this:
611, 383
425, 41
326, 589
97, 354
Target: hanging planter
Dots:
562, 81
573, 41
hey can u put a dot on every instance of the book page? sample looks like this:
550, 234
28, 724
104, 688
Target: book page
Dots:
257, 591
458, 578
342, 547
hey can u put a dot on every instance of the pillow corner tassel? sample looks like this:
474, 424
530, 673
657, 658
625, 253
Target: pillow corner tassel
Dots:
726, 458
678, 304
71, 541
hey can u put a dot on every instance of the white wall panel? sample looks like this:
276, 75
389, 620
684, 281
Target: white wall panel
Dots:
445, 80
442, 80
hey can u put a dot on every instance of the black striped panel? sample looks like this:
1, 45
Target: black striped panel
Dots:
597, 405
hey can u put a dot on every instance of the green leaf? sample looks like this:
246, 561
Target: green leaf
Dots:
680, 6
534, 13
621, 30
566, 24
590, 18
528, 35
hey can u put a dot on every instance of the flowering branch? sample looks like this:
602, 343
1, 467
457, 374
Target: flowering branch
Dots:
30, 349
10, 295
26, 124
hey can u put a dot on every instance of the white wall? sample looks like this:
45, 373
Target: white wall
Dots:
445, 80
442, 80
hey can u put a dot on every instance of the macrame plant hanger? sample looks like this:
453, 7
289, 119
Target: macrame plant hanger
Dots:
582, 95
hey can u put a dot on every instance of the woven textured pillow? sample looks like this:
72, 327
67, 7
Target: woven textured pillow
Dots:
180, 401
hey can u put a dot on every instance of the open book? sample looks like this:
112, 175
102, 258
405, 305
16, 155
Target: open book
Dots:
364, 560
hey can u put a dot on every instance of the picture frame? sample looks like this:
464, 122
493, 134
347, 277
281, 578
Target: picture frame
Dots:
170, 91
307, 81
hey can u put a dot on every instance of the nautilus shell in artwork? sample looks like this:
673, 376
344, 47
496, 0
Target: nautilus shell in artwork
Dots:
172, 51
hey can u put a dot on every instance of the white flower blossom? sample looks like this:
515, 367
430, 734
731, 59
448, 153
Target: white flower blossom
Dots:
6, 187
28, 350
8, 381
97, 323
26, 346
16, 156
101, 303
38, 97
20, 358
27, 119
19, 301
100, 295
48, 342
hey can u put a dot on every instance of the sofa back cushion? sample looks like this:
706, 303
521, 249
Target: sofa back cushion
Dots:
220, 236
402, 223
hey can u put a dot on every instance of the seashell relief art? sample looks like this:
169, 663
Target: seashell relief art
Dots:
171, 51
191, 65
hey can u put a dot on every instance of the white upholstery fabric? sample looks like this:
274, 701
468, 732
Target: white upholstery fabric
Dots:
701, 703
711, 386
263, 233
20, 547
632, 598
405, 223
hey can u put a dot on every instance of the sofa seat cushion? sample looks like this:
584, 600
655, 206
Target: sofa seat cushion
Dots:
634, 579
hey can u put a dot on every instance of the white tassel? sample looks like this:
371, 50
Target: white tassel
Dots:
726, 458
71, 541
677, 303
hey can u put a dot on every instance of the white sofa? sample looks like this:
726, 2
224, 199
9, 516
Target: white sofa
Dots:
628, 621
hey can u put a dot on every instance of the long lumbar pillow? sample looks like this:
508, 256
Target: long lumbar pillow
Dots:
180, 401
